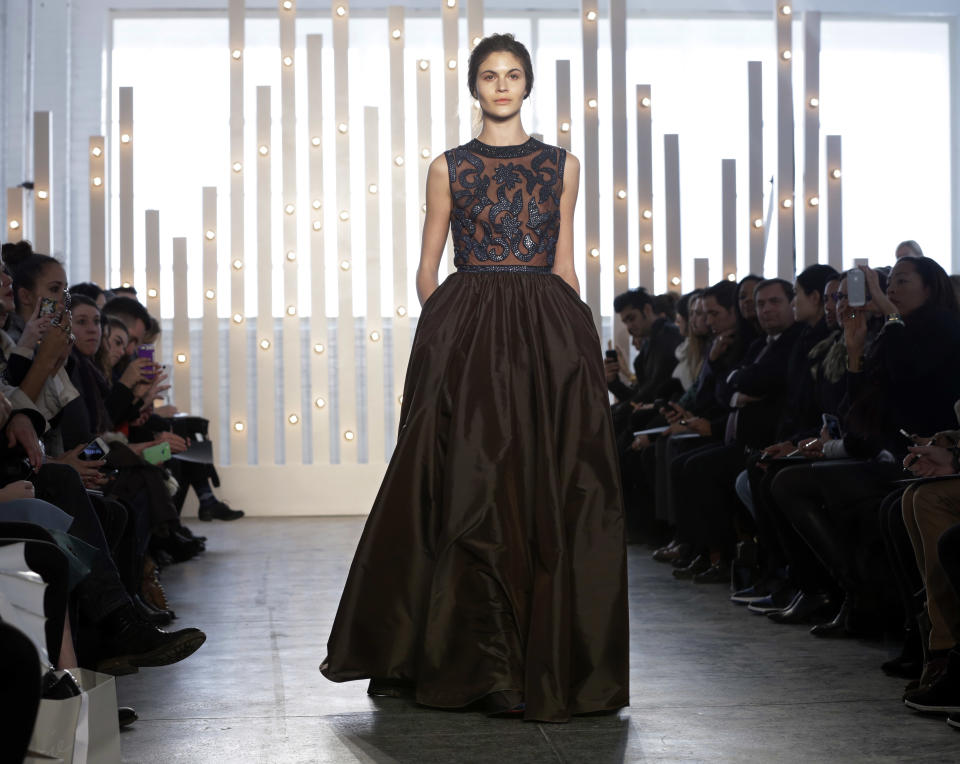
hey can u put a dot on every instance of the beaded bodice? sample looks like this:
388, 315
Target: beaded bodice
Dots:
506, 205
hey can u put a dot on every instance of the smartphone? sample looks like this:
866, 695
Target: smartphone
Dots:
146, 351
96, 449
157, 454
856, 288
610, 355
833, 426
48, 306
659, 403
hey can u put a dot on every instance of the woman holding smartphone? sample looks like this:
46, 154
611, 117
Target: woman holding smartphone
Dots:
492, 567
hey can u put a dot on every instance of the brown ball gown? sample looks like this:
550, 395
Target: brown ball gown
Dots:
493, 560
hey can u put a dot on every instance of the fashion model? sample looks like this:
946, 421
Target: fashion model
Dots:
492, 569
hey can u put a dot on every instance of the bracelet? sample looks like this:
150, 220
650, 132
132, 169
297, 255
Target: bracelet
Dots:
893, 318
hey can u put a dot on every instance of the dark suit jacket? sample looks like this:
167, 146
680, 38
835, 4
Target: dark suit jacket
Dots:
653, 365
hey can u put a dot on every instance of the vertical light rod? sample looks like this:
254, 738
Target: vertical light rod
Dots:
126, 185
645, 185
266, 420
728, 194
42, 184
237, 335
181, 328
319, 372
834, 202
374, 320
450, 16
346, 363
564, 117
671, 198
211, 372
590, 166
618, 193
15, 230
701, 272
98, 210
811, 137
151, 229
294, 429
786, 259
474, 22
755, 165
398, 180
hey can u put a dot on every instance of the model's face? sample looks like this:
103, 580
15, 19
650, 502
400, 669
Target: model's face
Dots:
830, 303
86, 327
116, 342
906, 289
774, 311
501, 85
806, 306
719, 319
748, 308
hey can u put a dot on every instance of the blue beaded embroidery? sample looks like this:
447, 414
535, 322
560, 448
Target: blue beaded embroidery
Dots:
509, 216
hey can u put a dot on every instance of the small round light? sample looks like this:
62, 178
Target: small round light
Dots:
475, 42
786, 10
398, 160
452, 63
395, 34
814, 102
318, 348
96, 151
814, 201
401, 311
97, 181
293, 419
264, 344
152, 293
348, 434
341, 11
425, 153
423, 208
264, 150
181, 357
400, 399
239, 426
291, 310
291, 255
344, 215
287, 60
621, 194
786, 203
592, 103
289, 209
238, 264
591, 15
451, 3
675, 281
210, 235
126, 285
319, 403
237, 167
423, 64
621, 268
209, 294
125, 138
316, 204
287, 4
342, 127
648, 247
835, 174
43, 195
237, 318
374, 336
14, 225
647, 214
235, 54
316, 225
344, 265
786, 55
315, 141
564, 127
645, 102
758, 223
372, 188
594, 252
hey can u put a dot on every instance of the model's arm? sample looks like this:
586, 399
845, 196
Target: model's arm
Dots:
435, 227
563, 262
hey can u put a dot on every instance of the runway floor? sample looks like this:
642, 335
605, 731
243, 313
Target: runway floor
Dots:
709, 682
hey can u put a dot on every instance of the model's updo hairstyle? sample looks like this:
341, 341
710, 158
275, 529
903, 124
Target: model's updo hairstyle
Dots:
498, 43
25, 266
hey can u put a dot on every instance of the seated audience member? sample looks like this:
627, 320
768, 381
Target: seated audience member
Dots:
126, 290
690, 353
908, 248
746, 308
91, 290
833, 504
665, 305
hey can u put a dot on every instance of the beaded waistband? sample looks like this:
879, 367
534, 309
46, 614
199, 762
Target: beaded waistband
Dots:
504, 268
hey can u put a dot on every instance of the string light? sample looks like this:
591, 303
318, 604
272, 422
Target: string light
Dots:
645, 102
287, 4
594, 252
344, 265
348, 434
209, 294
621, 268
452, 64
315, 141
814, 201
237, 167
787, 203
237, 318
210, 235
564, 127
592, 103
264, 150
293, 419
341, 11
401, 311
758, 223
289, 209
451, 3
675, 281
239, 426
318, 348
97, 181
786, 55
317, 225
288, 61
425, 153
264, 344
647, 214
423, 64
319, 403
342, 128
591, 15
621, 194
836, 174
731, 277
648, 247
96, 151
372, 188
398, 160
291, 310
152, 293
238, 264
475, 42
14, 225
344, 215
395, 34
181, 357
786, 10
235, 54
814, 102
316, 204
125, 138
291, 255
374, 336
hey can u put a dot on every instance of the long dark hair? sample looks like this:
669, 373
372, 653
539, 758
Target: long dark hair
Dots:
934, 278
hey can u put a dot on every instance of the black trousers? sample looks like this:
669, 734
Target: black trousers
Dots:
671, 455
19, 691
903, 560
708, 500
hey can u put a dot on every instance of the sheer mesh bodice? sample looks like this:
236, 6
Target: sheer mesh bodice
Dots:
506, 205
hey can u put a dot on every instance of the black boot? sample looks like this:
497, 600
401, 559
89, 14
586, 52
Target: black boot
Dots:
127, 643
943, 695
909, 664
837, 627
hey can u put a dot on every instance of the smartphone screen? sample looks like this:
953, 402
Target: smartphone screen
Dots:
856, 289
146, 351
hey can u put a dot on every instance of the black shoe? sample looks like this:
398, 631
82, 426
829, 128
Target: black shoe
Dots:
391, 688
675, 550
53, 687
954, 721
126, 716
778, 600
909, 664
218, 510
717, 573
943, 695
150, 614
183, 530
751, 594
128, 644
804, 608
837, 626
504, 704
699, 564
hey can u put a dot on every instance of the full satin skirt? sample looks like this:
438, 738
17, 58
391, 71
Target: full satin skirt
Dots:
493, 558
